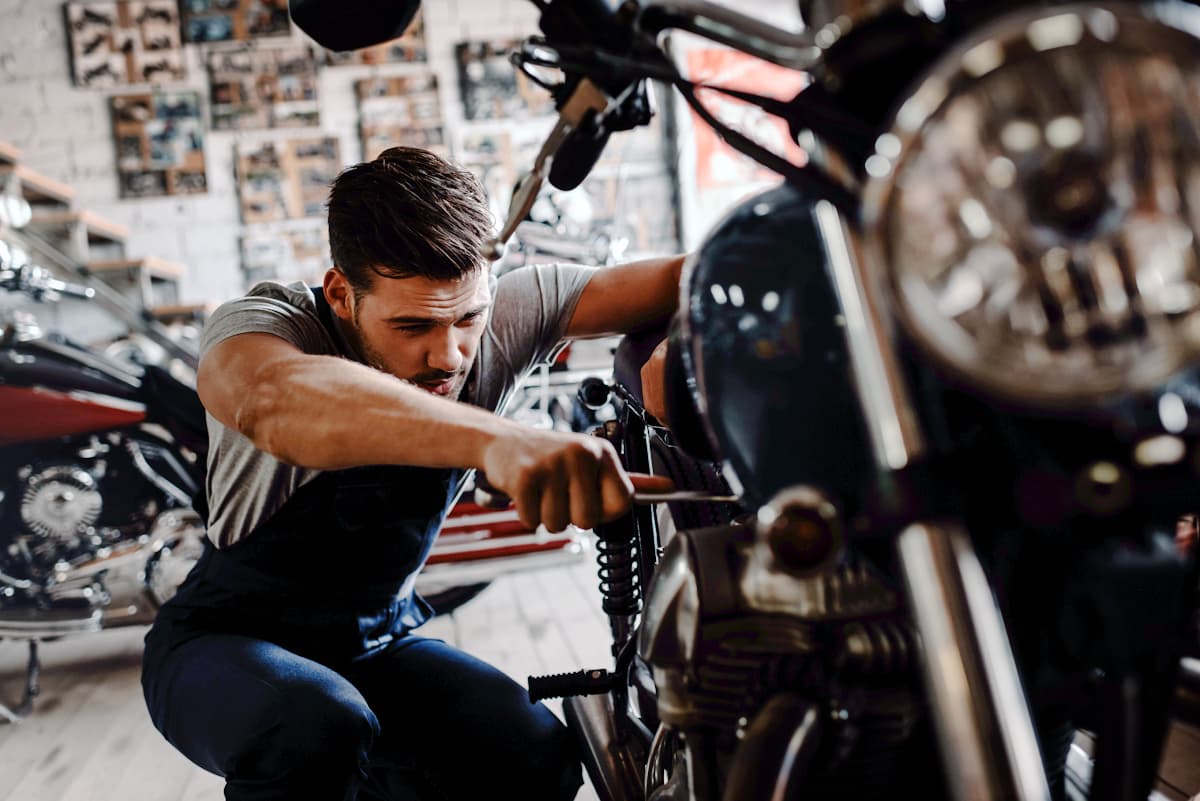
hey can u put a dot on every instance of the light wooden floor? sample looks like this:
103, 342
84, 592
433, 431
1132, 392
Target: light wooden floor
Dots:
90, 738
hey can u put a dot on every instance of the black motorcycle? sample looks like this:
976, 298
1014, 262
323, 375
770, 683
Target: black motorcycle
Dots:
948, 369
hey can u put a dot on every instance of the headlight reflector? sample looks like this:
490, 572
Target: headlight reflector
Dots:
1036, 204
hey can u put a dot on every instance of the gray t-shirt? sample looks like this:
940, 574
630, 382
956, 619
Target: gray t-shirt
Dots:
531, 308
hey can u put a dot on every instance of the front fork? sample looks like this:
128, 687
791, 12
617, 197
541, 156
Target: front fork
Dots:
987, 739
988, 744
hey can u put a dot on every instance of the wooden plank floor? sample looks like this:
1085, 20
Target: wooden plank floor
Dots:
90, 738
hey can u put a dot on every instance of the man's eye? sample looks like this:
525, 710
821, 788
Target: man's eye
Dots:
470, 320
410, 329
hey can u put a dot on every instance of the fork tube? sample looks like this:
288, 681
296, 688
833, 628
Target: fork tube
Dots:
988, 743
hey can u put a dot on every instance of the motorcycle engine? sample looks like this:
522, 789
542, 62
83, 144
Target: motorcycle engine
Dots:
67, 508
737, 615
60, 503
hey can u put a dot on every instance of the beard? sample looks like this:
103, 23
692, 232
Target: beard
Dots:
425, 381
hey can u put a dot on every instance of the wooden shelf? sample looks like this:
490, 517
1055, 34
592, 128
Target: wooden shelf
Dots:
158, 269
38, 189
99, 229
9, 154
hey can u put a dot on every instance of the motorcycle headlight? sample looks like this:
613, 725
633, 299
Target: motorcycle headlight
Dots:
1036, 203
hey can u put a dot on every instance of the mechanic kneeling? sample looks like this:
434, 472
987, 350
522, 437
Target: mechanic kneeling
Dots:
342, 421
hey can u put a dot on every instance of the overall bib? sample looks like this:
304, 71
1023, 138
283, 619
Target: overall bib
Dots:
286, 662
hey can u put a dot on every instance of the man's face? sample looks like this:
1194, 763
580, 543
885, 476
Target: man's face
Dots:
421, 330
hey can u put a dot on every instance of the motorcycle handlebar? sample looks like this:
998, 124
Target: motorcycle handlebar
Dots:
37, 283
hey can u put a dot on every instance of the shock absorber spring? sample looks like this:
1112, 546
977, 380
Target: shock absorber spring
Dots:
617, 557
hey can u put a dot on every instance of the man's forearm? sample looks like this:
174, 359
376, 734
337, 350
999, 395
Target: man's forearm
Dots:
327, 413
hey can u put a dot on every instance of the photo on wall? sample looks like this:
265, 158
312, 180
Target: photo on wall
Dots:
124, 42
286, 179
300, 254
160, 144
408, 49
400, 111
233, 20
497, 156
263, 88
492, 88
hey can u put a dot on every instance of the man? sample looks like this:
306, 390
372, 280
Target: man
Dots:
287, 663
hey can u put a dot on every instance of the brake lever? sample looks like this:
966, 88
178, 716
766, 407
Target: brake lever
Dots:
587, 99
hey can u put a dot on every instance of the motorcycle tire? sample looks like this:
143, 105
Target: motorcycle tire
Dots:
448, 600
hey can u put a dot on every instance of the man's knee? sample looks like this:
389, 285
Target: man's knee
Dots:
314, 736
325, 723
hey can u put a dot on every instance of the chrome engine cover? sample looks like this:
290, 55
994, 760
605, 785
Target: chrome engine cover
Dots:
61, 503
727, 627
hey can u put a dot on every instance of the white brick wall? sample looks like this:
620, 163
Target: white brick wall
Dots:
65, 132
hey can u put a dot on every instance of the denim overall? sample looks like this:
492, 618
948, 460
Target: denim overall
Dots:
286, 664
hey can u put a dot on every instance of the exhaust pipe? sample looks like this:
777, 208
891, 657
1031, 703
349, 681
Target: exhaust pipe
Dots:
609, 755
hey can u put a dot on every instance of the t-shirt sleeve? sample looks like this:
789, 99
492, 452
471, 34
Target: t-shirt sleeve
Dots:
264, 312
532, 309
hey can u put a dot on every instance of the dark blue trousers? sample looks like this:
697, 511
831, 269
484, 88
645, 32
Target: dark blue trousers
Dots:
416, 719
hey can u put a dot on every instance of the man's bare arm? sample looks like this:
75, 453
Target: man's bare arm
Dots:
326, 413
627, 297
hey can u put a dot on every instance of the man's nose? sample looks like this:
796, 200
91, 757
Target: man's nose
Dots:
444, 351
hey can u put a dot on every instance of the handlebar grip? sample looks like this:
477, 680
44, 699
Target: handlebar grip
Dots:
562, 685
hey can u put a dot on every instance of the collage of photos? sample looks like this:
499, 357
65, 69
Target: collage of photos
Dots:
160, 144
492, 89
400, 111
124, 42
285, 256
286, 179
267, 88
234, 20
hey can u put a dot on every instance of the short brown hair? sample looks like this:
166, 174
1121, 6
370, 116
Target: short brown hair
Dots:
407, 213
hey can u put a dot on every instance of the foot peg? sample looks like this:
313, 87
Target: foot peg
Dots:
562, 685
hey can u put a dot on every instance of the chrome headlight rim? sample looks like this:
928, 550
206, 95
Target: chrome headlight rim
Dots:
1172, 28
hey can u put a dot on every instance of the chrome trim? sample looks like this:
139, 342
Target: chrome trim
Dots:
106, 297
888, 412
100, 364
42, 624
143, 466
988, 743
20, 584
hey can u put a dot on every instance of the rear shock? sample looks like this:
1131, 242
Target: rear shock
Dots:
617, 557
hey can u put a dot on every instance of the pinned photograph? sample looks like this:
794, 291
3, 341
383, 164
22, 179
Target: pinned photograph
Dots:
400, 111
124, 42
492, 88
234, 20
160, 143
286, 179
263, 88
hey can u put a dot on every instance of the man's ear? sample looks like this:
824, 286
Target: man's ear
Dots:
339, 294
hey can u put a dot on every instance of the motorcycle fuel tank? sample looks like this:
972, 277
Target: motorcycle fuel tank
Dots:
766, 349
51, 389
